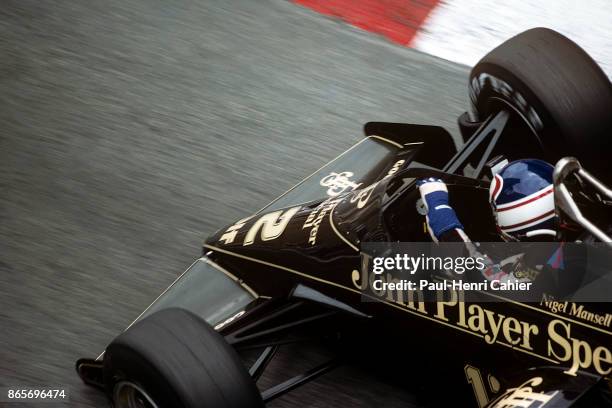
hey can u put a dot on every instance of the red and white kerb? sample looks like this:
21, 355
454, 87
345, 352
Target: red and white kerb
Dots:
437, 27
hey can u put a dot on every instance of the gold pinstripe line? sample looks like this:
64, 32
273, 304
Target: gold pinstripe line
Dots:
375, 298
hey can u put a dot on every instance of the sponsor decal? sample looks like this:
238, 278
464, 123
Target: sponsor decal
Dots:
338, 183
475, 378
524, 396
316, 216
555, 340
396, 166
362, 197
576, 310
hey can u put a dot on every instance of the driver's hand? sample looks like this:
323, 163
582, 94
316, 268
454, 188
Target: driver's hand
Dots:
440, 215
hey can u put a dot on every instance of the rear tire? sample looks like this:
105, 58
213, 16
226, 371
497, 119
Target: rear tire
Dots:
556, 87
174, 359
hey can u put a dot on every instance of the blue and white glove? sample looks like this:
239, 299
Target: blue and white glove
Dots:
440, 215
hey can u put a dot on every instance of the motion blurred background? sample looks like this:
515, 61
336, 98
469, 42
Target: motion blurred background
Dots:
130, 130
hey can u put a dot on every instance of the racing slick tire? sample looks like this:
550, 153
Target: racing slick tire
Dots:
558, 89
174, 359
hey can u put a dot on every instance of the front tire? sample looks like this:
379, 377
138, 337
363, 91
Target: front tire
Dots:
174, 359
556, 87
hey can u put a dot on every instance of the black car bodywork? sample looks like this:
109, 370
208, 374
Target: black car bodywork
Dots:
292, 273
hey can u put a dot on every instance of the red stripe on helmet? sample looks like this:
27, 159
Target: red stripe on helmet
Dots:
546, 214
531, 200
498, 181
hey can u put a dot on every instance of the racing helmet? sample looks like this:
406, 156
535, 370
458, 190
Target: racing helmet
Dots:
521, 196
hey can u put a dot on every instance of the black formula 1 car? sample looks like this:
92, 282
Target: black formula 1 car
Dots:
292, 272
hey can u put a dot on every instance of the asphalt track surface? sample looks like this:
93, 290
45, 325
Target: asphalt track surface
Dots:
132, 129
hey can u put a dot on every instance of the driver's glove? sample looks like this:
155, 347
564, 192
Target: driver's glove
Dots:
440, 215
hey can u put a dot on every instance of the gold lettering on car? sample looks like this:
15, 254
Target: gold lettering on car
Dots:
558, 341
524, 396
577, 310
338, 183
578, 353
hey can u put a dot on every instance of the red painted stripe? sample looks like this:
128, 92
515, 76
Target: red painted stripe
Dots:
531, 200
546, 214
498, 183
398, 20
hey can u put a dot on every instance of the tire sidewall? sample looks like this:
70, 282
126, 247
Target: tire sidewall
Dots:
560, 92
126, 364
180, 361
492, 89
